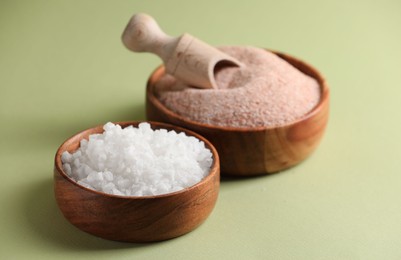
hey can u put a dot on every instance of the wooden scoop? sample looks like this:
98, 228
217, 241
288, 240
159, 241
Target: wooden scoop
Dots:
185, 57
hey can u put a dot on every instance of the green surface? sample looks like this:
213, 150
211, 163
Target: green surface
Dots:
63, 69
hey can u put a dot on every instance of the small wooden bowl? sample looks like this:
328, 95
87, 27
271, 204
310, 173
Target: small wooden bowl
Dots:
135, 219
259, 150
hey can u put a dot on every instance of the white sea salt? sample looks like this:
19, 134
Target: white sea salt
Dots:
138, 161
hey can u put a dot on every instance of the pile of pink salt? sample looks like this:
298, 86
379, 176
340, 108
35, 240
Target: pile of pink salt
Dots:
267, 92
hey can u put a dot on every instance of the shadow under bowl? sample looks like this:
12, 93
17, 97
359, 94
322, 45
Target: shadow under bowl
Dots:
258, 150
135, 218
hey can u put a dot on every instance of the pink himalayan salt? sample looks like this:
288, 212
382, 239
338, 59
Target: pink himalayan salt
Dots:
267, 92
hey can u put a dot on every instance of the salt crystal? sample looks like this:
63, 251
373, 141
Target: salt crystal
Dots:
138, 161
67, 168
66, 157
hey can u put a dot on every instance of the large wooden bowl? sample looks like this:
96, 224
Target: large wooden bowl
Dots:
259, 150
135, 219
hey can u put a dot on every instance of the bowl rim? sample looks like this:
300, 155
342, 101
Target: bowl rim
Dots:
299, 64
214, 169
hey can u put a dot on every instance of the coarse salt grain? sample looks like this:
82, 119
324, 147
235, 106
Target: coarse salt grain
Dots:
138, 161
266, 92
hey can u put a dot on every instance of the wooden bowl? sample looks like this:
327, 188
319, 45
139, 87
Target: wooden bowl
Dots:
259, 150
135, 219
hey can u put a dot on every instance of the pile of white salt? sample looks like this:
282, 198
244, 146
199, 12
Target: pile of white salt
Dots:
267, 91
138, 161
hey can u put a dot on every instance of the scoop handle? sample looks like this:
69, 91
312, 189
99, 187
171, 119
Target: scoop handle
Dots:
143, 34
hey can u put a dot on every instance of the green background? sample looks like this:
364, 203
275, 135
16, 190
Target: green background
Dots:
63, 69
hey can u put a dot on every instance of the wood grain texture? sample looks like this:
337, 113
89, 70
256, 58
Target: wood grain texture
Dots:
135, 219
186, 57
260, 150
